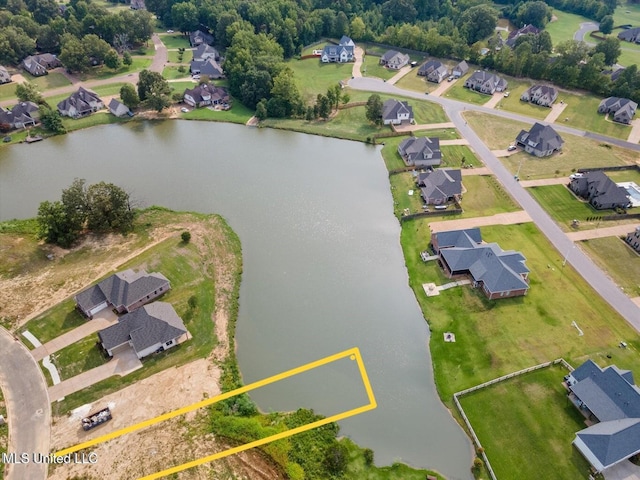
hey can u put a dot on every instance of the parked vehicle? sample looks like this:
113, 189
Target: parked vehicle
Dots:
97, 418
441, 207
575, 175
511, 148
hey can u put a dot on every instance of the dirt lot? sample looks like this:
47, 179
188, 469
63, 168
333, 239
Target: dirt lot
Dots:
44, 283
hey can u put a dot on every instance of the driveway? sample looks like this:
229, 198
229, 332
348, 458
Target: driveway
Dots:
122, 363
617, 231
161, 56
498, 219
585, 28
401, 73
358, 55
28, 408
623, 471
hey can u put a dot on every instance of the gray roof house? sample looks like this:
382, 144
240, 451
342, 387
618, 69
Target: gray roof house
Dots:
395, 112
541, 140
515, 34
485, 82
80, 104
4, 75
38, 65
543, 95
633, 239
622, 109
460, 69
206, 94
153, 328
209, 67
630, 35
421, 152
609, 398
204, 52
119, 109
341, 53
429, 67
499, 273
199, 37
440, 186
600, 191
20, 116
394, 60
124, 291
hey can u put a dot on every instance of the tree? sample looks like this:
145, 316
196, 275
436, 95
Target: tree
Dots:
129, 96
28, 92
606, 24
261, 109
358, 28
51, 120
95, 49
151, 80
186, 238
535, 13
477, 23
336, 459
157, 98
112, 60
611, 48
126, 59
374, 109
53, 226
185, 16
73, 55
324, 106
368, 456
285, 90
109, 208
74, 200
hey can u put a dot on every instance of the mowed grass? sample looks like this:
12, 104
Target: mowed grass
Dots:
452, 155
513, 103
314, 77
618, 259
565, 26
497, 337
457, 156
49, 81
172, 73
175, 40
577, 152
582, 112
79, 357
401, 185
460, 92
423, 111
238, 113
526, 426
415, 82
54, 322
174, 57
371, 68
626, 12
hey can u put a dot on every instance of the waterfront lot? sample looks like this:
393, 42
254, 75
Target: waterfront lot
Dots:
526, 426
313, 77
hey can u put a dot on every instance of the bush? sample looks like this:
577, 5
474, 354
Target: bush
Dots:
368, 456
186, 237
193, 302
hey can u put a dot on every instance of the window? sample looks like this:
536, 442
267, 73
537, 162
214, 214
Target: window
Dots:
169, 343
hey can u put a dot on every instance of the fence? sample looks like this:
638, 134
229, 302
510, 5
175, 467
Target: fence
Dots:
476, 441
610, 169
435, 213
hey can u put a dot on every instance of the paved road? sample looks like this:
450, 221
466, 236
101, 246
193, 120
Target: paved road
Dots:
582, 263
585, 28
28, 408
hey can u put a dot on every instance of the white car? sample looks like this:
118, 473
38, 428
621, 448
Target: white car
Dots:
575, 175
169, 31
184, 109
511, 148
196, 77
506, 94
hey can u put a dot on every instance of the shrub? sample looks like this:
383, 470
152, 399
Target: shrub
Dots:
368, 456
186, 237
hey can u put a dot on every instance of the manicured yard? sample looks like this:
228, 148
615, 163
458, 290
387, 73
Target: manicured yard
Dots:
46, 82
315, 46
54, 322
104, 117
582, 112
441, 133
371, 68
565, 26
453, 156
314, 77
172, 73
401, 185
618, 259
424, 112
415, 82
238, 113
577, 152
625, 176
181, 86
79, 357
526, 426
514, 104
175, 41
626, 12
7, 91
459, 92
174, 57
564, 206
501, 336
101, 72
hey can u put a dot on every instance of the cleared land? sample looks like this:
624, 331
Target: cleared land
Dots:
619, 260
577, 152
526, 426
565, 25
313, 77
460, 92
175, 41
4, 433
238, 113
514, 104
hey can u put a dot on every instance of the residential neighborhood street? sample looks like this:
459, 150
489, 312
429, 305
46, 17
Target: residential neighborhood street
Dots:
28, 408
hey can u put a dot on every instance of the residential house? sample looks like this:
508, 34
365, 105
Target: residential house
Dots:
440, 186
4, 75
434, 70
421, 152
204, 52
199, 37
498, 273
614, 72
206, 94
137, 5
119, 109
341, 53
610, 401
541, 140
599, 190
153, 328
485, 82
630, 35
633, 239
394, 60
38, 65
209, 67
622, 109
395, 112
80, 104
515, 34
460, 69
543, 95
22, 115
123, 291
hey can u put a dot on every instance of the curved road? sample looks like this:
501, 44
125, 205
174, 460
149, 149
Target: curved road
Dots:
28, 407
581, 262
585, 28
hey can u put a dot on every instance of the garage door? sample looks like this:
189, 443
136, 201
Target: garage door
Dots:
97, 308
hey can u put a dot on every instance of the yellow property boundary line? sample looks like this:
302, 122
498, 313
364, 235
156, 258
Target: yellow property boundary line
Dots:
353, 353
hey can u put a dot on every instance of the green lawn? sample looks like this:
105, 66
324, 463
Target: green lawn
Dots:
514, 104
415, 82
238, 113
618, 259
577, 152
49, 81
459, 92
101, 72
565, 26
564, 207
7, 91
181, 86
401, 185
423, 111
79, 357
497, 337
452, 156
526, 426
582, 112
175, 41
103, 117
315, 46
54, 322
627, 12
314, 77
441, 133
371, 68
174, 57
172, 73
625, 176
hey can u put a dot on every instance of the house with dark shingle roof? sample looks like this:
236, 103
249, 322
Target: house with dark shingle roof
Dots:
209, 67
421, 152
20, 116
204, 52
80, 104
633, 239
119, 109
498, 273
124, 291
341, 53
206, 94
541, 140
622, 109
199, 37
543, 95
394, 60
434, 70
515, 34
485, 82
600, 191
440, 186
4, 75
630, 35
153, 328
460, 69
395, 112
38, 65
609, 398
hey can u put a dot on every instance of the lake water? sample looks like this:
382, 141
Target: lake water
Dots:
323, 267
